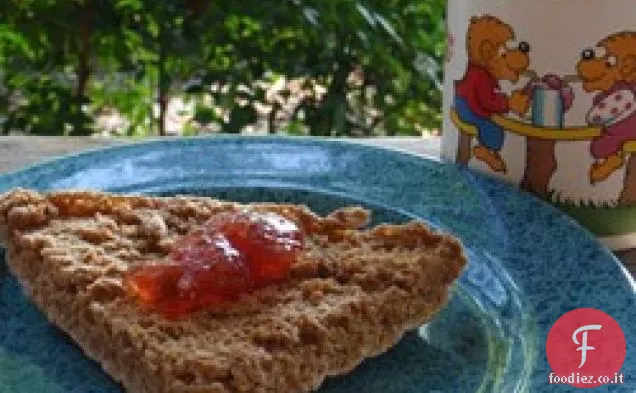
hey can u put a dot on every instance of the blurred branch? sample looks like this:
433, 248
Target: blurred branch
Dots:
129, 56
162, 92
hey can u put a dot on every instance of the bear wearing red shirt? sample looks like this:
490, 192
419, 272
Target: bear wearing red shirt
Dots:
478, 94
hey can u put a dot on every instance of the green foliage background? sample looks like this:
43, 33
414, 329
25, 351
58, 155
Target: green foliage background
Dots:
62, 62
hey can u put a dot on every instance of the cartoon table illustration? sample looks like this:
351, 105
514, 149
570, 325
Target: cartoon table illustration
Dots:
540, 151
483, 113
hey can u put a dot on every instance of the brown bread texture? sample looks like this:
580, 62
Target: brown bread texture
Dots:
351, 295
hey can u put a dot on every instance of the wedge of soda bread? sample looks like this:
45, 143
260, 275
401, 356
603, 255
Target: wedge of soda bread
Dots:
350, 295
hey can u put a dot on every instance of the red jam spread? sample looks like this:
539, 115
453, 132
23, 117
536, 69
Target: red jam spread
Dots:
230, 254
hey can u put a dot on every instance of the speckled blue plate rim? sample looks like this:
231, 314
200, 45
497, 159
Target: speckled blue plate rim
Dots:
471, 176
558, 265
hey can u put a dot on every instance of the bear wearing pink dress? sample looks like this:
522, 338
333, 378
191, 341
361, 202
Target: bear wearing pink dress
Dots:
610, 70
615, 111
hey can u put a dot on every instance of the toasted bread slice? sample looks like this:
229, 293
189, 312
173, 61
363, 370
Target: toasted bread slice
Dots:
352, 293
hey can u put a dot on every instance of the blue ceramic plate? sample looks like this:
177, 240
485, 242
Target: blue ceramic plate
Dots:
528, 263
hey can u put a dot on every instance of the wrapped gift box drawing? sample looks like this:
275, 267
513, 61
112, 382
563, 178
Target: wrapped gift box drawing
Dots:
551, 99
547, 108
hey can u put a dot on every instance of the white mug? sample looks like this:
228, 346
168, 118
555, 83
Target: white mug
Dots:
542, 94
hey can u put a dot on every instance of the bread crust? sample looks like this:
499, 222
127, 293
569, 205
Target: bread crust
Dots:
351, 295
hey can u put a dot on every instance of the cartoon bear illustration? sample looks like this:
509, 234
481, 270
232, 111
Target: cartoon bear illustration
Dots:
478, 94
610, 70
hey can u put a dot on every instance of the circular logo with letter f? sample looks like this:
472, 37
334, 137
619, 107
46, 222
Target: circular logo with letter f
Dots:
586, 347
